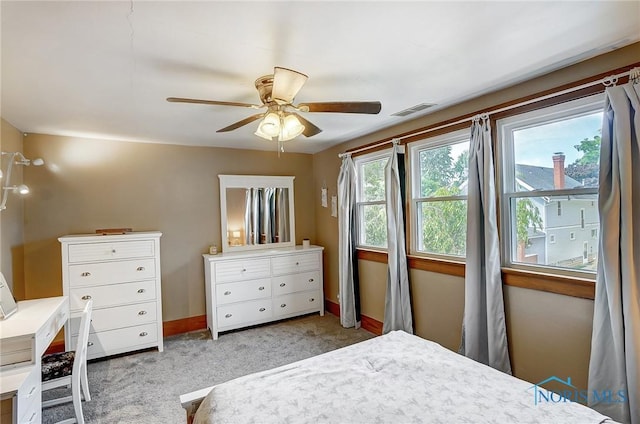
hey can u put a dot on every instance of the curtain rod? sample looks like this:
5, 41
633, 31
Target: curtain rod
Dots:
607, 81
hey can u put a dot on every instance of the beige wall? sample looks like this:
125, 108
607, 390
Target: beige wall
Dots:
11, 223
549, 334
89, 184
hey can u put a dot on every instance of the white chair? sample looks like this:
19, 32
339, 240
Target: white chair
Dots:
70, 368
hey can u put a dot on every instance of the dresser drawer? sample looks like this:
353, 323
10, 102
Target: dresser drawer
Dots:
243, 290
29, 398
237, 313
118, 317
110, 250
296, 303
111, 272
16, 351
120, 340
113, 295
295, 283
242, 270
295, 263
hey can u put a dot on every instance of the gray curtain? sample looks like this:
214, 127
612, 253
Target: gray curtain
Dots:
397, 308
615, 341
484, 334
347, 255
266, 215
282, 215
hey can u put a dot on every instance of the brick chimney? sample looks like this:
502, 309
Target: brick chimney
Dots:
558, 170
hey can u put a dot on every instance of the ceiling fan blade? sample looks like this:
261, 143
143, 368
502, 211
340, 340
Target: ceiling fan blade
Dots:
210, 102
244, 122
343, 107
309, 129
286, 84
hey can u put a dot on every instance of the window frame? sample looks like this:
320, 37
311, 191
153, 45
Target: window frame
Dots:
358, 162
433, 142
506, 181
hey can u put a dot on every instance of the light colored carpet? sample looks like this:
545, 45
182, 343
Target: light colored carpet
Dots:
144, 387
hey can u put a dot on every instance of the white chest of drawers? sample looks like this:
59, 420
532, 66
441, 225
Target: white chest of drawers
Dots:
248, 288
121, 273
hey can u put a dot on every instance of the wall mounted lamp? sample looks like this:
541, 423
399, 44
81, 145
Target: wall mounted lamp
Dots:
15, 158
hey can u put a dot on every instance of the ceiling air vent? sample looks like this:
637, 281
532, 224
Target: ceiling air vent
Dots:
413, 109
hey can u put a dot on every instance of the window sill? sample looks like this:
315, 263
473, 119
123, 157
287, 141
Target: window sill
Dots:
568, 286
560, 284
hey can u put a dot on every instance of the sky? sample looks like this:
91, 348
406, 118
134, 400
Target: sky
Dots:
536, 145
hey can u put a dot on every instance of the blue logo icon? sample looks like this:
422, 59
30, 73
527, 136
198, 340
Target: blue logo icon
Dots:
571, 393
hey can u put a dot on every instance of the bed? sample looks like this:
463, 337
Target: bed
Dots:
395, 378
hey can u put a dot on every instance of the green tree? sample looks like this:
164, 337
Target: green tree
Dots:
375, 216
527, 216
460, 169
590, 149
586, 168
436, 170
444, 224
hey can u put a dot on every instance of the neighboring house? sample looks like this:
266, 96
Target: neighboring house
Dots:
569, 236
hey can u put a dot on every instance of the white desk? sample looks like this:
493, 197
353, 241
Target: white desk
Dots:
24, 337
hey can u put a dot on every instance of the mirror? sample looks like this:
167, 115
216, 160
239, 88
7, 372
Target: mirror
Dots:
7, 302
256, 212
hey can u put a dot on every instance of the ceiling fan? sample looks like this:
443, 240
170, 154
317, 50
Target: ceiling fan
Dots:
281, 119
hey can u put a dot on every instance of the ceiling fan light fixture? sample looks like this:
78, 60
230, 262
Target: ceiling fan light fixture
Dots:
286, 84
263, 135
291, 128
270, 125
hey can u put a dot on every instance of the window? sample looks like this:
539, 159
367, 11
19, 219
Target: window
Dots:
370, 199
439, 168
549, 160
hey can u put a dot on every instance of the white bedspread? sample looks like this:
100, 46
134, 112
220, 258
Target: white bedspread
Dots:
396, 378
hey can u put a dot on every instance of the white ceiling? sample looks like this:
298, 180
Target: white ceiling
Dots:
103, 69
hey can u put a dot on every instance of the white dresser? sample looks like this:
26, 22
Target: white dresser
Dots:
121, 273
254, 287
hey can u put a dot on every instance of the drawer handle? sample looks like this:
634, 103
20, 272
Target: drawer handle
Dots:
262, 309
261, 288
142, 313
90, 344
284, 305
143, 334
86, 297
33, 389
244, 270
141, 290
297, 263
228, 316
85, 274
113, 250
140, 268
227, 293
282, 284
311, 280
312, 300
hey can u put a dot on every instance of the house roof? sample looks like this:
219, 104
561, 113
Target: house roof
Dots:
541, 178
